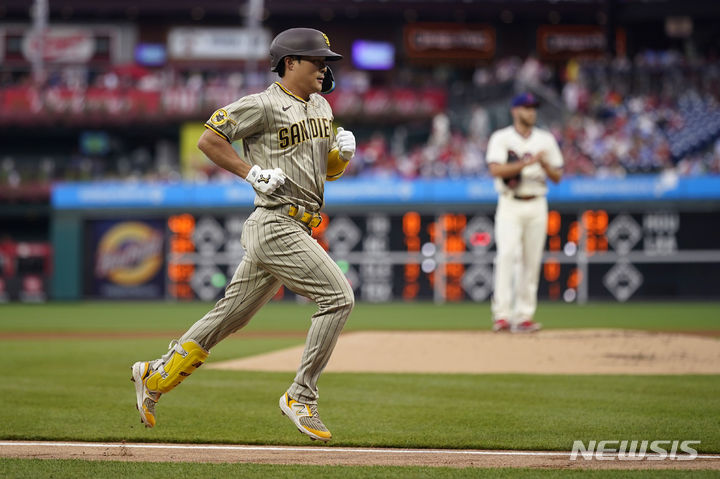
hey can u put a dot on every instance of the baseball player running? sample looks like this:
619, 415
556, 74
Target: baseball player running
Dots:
520, 157
290, 150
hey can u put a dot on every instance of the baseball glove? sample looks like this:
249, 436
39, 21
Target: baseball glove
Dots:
512, 182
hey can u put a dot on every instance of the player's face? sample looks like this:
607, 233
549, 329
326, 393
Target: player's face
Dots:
310, 72
526, 115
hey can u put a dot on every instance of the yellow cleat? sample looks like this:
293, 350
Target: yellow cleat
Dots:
179, 362
153, 378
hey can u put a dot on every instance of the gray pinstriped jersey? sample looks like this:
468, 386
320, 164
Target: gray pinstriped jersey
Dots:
281, 130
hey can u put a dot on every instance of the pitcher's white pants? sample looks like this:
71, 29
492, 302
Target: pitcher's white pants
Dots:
520, 234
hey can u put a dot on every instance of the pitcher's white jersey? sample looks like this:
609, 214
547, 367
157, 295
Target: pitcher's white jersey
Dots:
507, 145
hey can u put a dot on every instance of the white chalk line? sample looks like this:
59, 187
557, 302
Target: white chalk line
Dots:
339, 449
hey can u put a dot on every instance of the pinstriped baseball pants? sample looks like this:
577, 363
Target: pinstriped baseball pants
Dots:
279, 250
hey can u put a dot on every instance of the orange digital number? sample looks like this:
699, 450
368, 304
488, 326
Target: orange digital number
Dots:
410, 291
454, 270
595, 222
411, 223
454, 244
453, 223
590, 244
180, 272
554, 291
183, 224
412, 272
602, 243
432, 231
454, 292
551, 270
554, 223
554, 243
181, 244
601, 222
574, 232
181, 291
413, 243
574, 279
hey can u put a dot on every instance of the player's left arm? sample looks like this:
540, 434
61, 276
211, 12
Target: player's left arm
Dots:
551, 161
340, 156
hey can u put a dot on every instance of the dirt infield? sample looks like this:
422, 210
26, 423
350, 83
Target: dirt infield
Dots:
577, 351
340, 456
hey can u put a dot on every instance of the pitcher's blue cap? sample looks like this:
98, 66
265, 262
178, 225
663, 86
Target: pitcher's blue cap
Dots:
525, 99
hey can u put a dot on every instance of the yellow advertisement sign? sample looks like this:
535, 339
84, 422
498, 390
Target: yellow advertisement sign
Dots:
129, 253
194, 165
193, 162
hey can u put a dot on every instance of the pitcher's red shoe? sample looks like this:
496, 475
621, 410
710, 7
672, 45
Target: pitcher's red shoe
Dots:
527, 326
501, 325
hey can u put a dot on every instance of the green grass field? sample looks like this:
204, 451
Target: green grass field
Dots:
76, 469
158, 316
72, 387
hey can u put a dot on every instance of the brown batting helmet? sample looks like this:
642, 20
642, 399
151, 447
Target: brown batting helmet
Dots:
305, 42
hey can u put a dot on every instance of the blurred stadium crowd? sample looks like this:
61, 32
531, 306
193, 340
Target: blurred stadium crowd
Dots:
644, 100
655, 112
611, 118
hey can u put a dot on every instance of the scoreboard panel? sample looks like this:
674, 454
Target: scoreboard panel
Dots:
448, 256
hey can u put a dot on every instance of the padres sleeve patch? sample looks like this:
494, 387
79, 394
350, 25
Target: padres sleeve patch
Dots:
220, 117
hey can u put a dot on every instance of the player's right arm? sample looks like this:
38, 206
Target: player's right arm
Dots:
240, 119
507, 170
221, 152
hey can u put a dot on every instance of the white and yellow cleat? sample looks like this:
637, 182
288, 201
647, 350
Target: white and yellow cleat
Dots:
153, 378
305, 417
146, 399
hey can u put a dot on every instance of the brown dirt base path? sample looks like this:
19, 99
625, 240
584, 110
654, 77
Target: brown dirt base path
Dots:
340, 456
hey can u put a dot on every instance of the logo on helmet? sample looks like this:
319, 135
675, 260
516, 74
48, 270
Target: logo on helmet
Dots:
327, 40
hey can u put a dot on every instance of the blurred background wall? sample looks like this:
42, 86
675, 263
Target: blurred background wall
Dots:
103, 193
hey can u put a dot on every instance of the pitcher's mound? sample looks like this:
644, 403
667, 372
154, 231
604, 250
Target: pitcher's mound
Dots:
578, 351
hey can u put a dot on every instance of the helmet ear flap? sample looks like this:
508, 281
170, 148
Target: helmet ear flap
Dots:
328, 84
